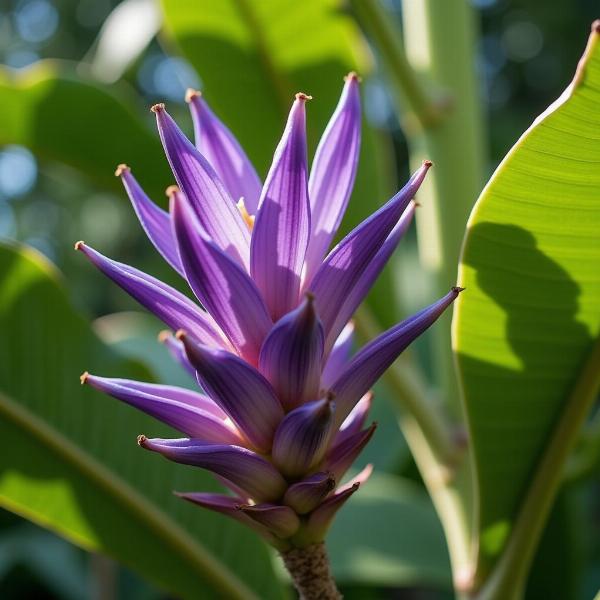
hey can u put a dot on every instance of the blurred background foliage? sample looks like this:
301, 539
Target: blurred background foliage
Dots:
526, 54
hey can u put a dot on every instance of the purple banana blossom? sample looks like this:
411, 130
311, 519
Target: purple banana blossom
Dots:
281, 414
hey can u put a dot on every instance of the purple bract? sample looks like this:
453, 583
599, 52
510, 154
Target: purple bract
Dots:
283, 406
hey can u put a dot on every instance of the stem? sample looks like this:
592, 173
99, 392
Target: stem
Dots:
509, 576
104, 573
585, 460
440, 40
405, 82
309, 568
444, 486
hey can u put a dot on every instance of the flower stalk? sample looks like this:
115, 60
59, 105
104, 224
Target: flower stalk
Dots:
309, 568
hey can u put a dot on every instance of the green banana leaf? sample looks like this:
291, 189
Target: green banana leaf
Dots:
69, 460
529, 319
63, 116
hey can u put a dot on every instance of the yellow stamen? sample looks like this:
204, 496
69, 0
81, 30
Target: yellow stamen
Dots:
248, 218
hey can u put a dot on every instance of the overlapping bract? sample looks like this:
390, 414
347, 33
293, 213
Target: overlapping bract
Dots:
282, 412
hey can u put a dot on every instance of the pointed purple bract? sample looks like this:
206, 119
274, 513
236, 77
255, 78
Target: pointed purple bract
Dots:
282, 227
184, 410
372, 361
355, 421
177, 351
370, 275
244, 468
338, 357
303, 436
219, 282
307, 494
342, 455
214, 208
169, 305
155, 221
332, 173
343, 268
230, 506
282, 521
241, 391
321, 518
224, 153
291, 356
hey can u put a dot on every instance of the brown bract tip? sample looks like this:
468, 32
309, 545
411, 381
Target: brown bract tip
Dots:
330, 396
458, 290
353, 76
303, 96
158, 107
242, 506
164, 335
79, 244
141, 440
349, 491
122, 168
427, 163
596, 26
330, 481
83, 377
180, 334
310, 297
191, 93
172, 190
416, 204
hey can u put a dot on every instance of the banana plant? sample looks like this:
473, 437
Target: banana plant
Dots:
500, 428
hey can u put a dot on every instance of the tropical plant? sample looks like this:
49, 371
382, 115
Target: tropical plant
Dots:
498, 415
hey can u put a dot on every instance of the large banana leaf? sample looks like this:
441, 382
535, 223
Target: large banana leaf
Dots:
62, 116
69, 460
529, 319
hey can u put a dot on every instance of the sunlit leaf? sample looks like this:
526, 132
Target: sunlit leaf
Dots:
528, 320
65, 117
